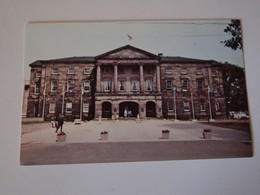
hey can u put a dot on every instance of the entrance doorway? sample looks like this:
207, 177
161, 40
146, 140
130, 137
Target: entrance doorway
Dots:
106, 110
150, 109
131, 107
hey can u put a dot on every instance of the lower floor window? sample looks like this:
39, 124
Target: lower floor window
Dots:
170, 106
52, 108
68, 107
186, 106
85, 107
217, 106
202, 106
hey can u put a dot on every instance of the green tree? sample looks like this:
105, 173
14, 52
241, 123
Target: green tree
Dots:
234, 87
234, 28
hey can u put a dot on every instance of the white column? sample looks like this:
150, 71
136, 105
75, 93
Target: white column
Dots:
141, 77
158, 78
98, 78
115, 78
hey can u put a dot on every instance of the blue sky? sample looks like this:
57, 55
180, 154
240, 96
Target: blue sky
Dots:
199, 39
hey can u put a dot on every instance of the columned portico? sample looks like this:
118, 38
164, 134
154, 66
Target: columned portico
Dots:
115, 77
141, 77
98, 78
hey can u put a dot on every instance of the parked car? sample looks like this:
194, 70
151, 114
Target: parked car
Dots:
238, 115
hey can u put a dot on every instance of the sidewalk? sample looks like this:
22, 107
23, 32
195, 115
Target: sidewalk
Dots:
129, 131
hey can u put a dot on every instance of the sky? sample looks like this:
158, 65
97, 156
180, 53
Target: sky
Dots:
200, 39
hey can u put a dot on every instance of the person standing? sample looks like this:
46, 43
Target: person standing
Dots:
60, 123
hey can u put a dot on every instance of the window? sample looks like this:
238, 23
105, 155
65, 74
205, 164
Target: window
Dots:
202, 107
170, 106
200, 85
69, 107
38, 74
107, 86
184, 84
54, 86
121, 70
135, 70
71, 71
85, 107
55, 71
52, 108
215, 88
217, 106
198, 71
148, 70
107, 70
213, 73
169, 85
86, 71
37, 88
86, 86
186, 106
70, 86
183, 71
134, 85
149, 85
168, 70
121, 85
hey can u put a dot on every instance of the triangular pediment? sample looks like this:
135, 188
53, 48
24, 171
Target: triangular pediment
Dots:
127, 52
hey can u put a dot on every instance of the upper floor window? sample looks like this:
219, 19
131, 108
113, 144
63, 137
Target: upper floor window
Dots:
183, 71
107, 70
37, 88
121, 70
213, 73
134, 85
38, 74
121, 85
184, 84
71, 71
70, 85
107, 86
149, 85
86, 70
135, 70
200, 85
215, 87
148, 70
168, 70
52, 108
198, 71
54, 86
55, 71
169, 85
217, 106
186, 106
86, 86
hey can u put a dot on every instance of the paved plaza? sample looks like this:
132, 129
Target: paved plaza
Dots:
130, 141
128, 131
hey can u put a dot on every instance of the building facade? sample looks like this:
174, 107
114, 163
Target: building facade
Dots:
124, 80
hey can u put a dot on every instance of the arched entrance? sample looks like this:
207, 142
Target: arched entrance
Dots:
128, 106
106, 110
150, 109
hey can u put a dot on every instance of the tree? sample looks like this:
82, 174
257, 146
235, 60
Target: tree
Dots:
234, 28
234, 87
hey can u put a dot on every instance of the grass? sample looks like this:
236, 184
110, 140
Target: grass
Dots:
237, 125
34, 122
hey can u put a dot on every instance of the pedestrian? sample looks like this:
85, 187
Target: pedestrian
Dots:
138, 118
99, 120
117, 117
53, 122
125, 113
113, 118
60, 123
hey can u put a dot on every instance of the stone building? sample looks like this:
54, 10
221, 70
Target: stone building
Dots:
129, 81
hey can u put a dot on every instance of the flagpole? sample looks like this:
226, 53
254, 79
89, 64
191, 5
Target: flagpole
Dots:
81, 102
43, 103
210, 111
174, 98
63, 93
